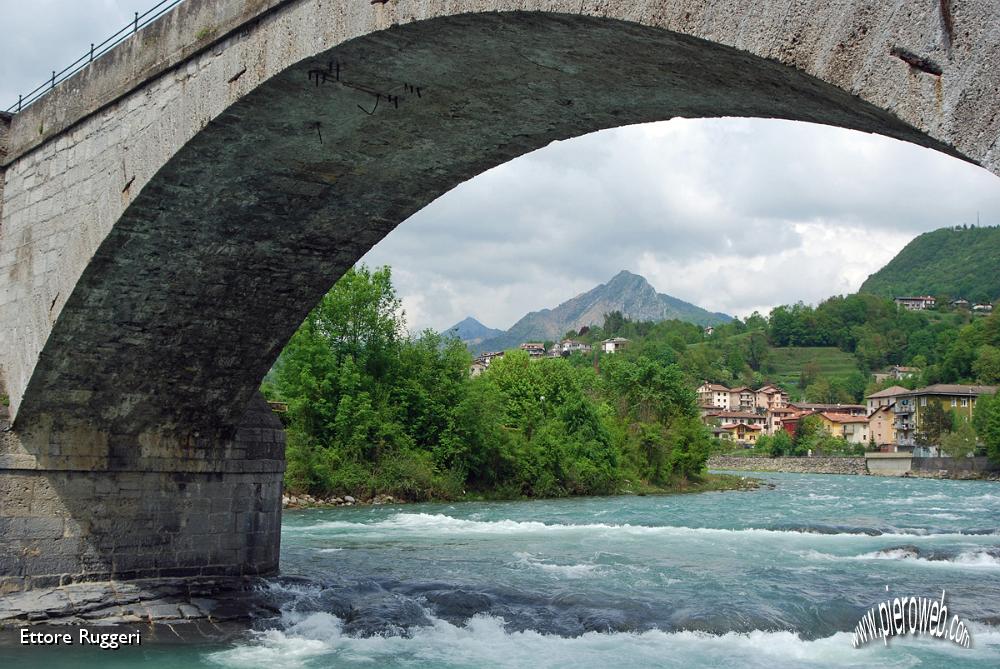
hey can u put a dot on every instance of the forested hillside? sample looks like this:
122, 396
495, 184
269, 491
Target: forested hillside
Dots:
950, 262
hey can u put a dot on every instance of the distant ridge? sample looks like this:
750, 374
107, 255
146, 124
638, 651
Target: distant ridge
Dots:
472, 332
626, 292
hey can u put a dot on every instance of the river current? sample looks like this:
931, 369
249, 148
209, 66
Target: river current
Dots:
767, 578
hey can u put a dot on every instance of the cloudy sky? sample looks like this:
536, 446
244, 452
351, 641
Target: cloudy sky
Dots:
730, 214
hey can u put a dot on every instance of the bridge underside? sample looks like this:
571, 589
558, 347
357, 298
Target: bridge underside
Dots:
192, 295
144, 381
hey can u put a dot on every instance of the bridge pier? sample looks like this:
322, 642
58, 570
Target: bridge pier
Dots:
78, 506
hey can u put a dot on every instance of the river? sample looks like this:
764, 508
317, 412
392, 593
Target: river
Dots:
767, 578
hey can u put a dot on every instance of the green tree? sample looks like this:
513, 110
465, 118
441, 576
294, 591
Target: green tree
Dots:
781, 444
961, 442
757, 350
614, 323
986, 367
809, 374
807, 431
986, 420
935, 423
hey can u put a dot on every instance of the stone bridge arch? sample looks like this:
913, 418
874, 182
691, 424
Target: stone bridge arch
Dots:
171, 214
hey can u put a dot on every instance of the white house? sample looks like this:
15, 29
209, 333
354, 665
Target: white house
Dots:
918, 303
713, 395
614, 345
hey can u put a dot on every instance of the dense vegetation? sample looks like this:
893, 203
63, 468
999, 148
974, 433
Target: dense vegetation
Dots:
834, 347
986, 425
947, 263
827, 353
373, 410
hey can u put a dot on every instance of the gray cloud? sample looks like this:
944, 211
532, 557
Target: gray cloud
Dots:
44, 35
732, 214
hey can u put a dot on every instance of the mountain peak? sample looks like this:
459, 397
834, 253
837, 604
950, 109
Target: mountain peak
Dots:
471, 330
468, 321
629, 293
627, 276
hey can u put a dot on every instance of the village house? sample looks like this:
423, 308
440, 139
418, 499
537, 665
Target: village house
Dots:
851, 409
896, 373
482, 362
767, 403
899, 372
534, 349
713, 395
724, 418
885, 397
918, 303
960, 303
614, 345
740, 433
775, 417
771, 397
881, 427
983, 308
852, 429
790, 423
742, 398
572, 346
911, 407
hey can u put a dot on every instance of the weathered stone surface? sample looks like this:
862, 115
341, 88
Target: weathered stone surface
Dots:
61, 526
791, 465
148, 601
978, 468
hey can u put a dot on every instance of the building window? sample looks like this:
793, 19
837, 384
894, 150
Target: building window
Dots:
954, 401
965, 401
923, 401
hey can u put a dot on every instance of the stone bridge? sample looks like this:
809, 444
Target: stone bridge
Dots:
169, 215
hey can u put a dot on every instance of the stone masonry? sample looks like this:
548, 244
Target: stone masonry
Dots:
89, 511
169, 215
837, 465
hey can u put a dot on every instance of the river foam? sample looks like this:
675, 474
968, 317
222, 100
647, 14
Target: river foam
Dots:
975, 559
317, 639
441, 524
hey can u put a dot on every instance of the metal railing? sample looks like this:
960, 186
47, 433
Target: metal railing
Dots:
96, 51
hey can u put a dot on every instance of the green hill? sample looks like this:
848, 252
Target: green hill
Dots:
954, 262
787, 363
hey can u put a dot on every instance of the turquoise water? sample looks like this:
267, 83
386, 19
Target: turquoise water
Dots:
768, 578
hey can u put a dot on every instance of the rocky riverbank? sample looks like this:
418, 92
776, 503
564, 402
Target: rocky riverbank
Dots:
202, 604
304, 501
960, 475
848, 465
